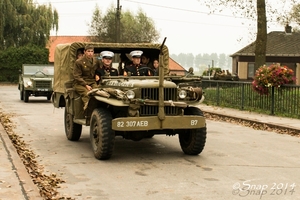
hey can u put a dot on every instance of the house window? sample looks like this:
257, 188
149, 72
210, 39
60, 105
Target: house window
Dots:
251, 70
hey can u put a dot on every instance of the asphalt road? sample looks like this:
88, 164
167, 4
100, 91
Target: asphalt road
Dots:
236, 163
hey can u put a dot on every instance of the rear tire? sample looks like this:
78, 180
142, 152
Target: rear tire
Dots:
101, 134
192, 141
72, 130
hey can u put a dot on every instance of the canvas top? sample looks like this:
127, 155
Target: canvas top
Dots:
65, 57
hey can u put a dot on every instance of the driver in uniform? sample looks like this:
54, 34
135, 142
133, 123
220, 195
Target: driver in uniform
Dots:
136, 68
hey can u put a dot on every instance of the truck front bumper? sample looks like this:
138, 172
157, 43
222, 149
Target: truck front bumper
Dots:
154, 123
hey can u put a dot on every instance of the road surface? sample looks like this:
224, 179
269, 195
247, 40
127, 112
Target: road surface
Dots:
236, 163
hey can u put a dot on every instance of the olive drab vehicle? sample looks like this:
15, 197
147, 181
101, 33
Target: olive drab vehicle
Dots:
133, 107
36, 80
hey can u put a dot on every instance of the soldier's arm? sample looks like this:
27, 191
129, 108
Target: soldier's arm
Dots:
77, 73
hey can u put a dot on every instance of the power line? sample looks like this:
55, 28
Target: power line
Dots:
73, 1
154, 5
185, 10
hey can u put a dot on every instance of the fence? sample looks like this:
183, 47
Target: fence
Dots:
282, 101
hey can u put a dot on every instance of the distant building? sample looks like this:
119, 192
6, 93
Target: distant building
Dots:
283, 47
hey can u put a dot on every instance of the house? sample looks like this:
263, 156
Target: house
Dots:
55, 40
174, 67
283, 47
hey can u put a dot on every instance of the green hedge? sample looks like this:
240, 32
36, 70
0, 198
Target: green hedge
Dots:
11, 61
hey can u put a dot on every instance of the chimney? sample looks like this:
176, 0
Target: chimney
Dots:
288, 29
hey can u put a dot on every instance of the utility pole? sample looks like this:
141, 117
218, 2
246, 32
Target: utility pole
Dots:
118, 19
208, 72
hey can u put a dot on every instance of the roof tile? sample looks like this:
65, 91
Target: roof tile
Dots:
279, 43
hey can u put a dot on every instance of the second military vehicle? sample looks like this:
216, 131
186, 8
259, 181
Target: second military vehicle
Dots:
36, 80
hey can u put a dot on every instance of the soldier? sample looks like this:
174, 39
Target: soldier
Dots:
79, 54
136, 68
145, 60
156, 67
105, 68
84, 74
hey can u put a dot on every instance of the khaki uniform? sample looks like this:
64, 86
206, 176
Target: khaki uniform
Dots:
84, 74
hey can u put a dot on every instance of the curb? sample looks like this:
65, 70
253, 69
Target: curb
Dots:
269, 124
28, 189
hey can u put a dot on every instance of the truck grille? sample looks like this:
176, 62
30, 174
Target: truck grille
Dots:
153, 110
43, 84
152, 93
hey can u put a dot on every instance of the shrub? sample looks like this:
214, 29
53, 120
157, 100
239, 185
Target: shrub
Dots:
271, 76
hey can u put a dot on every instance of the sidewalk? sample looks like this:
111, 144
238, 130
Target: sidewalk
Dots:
283, 122
15, 182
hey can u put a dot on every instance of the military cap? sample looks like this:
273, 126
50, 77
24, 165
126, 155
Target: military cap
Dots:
136, 53
107, 54
88, 46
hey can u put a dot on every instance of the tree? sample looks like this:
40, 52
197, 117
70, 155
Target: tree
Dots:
133, 28
294, 15
23, 23
253, 10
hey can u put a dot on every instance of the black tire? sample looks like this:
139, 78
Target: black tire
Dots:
21, 94
150, 136
26, 96
72, 130
192, 141
49, 96
101, 134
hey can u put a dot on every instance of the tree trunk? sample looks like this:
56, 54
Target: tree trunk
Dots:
261, 37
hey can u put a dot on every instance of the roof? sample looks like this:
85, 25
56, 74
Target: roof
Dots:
174, 66
55, 40
279, 43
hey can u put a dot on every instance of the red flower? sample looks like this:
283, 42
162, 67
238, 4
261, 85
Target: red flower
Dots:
272, 76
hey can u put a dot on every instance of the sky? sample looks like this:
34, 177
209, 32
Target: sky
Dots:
187, 24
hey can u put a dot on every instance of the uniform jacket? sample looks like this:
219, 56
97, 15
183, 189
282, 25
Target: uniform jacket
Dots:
84, 70
137, 70
102, 71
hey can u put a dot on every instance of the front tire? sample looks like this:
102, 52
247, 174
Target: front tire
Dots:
72, 130
192, 141
21, 94
26, 96
49, 96
101, 134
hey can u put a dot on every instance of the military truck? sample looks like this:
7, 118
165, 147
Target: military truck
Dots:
36, 80
133, 107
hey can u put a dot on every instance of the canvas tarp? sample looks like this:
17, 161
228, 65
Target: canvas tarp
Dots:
65, 56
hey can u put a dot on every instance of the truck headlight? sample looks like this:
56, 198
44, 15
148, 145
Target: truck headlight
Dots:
182, 94
130, 94
29, 83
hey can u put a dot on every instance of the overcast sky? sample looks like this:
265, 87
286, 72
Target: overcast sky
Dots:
186, 23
